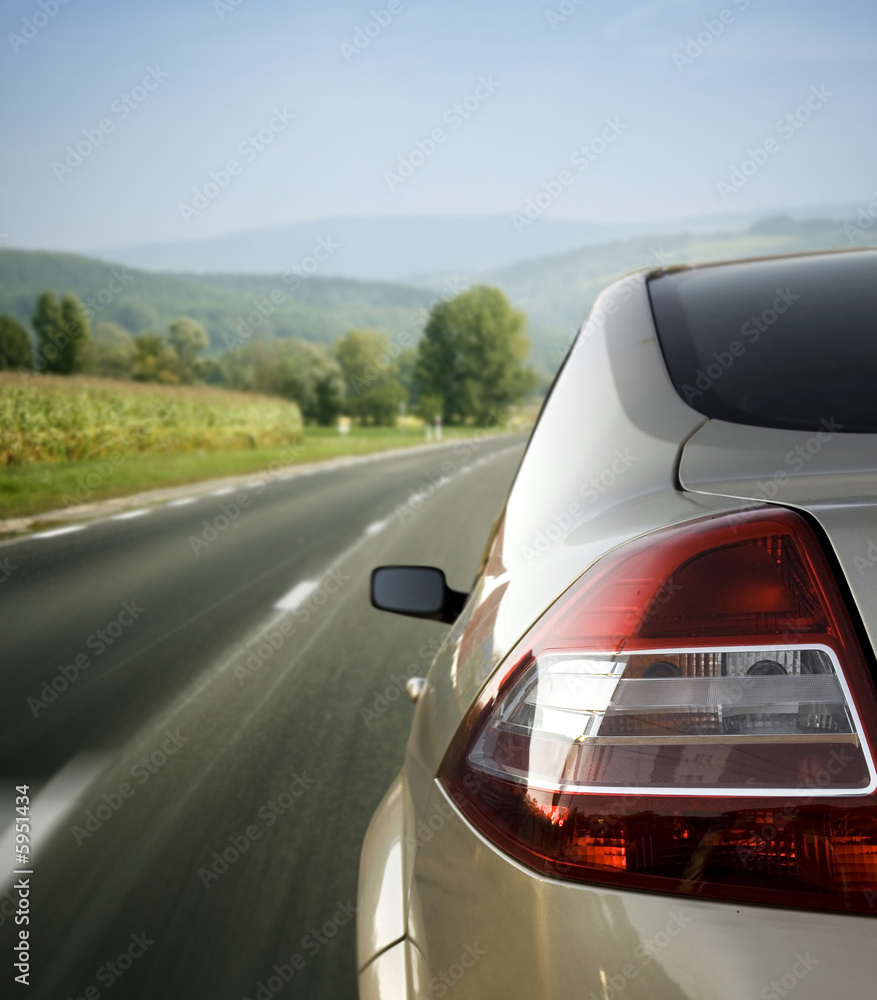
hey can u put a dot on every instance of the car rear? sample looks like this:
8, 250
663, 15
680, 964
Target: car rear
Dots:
655, 778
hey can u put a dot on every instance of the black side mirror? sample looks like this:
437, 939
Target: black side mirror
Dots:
418, 591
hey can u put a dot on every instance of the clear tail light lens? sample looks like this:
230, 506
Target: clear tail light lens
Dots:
692, 716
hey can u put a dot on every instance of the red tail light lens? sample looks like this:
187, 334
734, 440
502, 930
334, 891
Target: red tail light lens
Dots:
692, 716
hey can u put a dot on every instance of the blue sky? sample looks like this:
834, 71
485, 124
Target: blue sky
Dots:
559, 71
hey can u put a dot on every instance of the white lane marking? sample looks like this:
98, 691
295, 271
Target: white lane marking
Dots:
298, 595
183, 502
224, 492
377, 526
50, 806
129, 514
60, 531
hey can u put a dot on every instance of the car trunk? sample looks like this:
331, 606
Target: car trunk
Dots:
827, 473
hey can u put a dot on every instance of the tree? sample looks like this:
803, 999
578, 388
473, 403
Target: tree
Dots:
407, 363
113, 351
135, 315
49, 327
155, 360
371, 374
63, 334
188, 338
15, 349
472, 356
296, 370
77, 328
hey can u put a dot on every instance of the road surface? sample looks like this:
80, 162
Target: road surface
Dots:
203, 704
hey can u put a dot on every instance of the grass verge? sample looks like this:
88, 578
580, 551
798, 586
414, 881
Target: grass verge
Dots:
37, 487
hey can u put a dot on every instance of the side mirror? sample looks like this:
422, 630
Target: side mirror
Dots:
418, 591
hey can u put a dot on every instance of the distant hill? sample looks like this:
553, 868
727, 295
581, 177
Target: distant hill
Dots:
554, 291
557, 292
317, 309
401, 248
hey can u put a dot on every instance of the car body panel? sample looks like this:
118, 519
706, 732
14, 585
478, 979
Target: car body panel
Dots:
382, 877
783, 466
617, 453
387, 976
399, 973
832, 480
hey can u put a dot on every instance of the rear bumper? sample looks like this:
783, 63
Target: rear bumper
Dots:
459, 918
533, 936
399, 973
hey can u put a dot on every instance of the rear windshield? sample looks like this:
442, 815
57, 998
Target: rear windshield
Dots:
779, 343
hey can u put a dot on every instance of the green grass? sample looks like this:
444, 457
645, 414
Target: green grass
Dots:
36, 487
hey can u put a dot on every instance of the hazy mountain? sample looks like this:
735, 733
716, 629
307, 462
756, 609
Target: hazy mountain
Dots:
313, 308
555, 291
403, 248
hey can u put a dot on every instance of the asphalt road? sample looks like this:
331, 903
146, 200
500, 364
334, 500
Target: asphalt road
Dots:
203, 680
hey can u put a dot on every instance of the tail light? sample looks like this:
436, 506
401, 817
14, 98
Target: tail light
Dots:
691, 716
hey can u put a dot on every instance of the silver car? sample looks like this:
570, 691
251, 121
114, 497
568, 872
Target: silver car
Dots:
641, 765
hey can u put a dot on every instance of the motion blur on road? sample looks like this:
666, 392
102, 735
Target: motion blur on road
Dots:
208, 711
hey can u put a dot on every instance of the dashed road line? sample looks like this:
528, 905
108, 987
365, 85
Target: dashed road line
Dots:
297, 596
60, 531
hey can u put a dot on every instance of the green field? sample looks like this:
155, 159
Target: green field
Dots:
69, 441
46, 418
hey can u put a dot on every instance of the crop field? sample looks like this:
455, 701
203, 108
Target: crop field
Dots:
48, 418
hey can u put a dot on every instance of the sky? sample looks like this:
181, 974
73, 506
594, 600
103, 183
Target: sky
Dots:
130, 122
